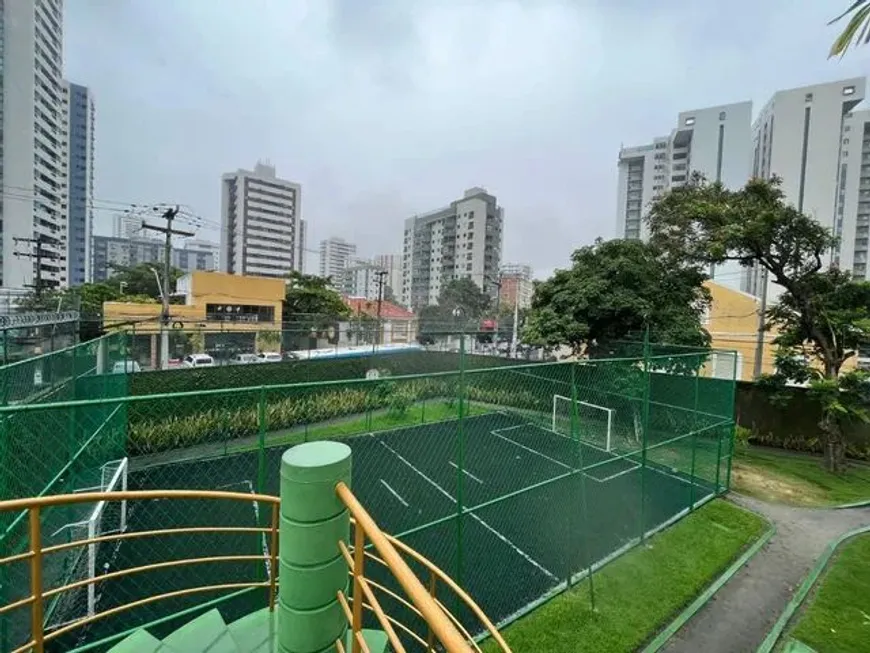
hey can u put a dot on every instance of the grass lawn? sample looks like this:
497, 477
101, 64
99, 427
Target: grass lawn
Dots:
421, 413
798, 479
639, 593
838, 616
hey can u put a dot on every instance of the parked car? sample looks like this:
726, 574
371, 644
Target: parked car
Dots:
126, 367
198, 360
244, 359
269, 357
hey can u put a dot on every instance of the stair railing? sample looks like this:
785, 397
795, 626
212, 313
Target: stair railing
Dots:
35, 553
443, 628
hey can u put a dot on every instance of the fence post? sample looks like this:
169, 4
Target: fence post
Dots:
312, 569
644, 428
695, 437
575, 429
5, 347
460, 459
261, 440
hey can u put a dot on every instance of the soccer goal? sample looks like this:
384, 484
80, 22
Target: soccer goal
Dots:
594, 422
105, 518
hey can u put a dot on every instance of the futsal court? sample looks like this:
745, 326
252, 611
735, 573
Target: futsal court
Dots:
530, 519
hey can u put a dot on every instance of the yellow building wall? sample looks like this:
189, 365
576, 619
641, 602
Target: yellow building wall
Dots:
205, 288
732, 322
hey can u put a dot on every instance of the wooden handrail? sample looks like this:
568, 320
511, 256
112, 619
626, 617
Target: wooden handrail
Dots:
444, 630
130, 495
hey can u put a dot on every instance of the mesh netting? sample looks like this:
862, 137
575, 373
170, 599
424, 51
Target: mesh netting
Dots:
480, 463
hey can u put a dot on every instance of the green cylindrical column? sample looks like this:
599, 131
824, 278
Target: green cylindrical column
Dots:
312, 569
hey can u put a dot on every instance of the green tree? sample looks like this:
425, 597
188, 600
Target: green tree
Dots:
615, 288
311, 298
461, 305
822, 315
857, 30
140, 280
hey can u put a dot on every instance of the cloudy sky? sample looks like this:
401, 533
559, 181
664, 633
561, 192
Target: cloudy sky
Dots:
384, 108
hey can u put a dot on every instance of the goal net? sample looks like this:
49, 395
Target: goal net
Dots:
88, 561
594, 422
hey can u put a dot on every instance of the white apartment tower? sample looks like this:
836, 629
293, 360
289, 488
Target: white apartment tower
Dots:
714, 141
261, 230
335, 255
33, 139
463, 240
812, 139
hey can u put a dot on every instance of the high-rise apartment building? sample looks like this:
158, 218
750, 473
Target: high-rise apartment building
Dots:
392, 265
335, 255
516, 286
360, 279
303, 248
463, 240
79, 181
811, 138
110, 253
854, 208
33, 143
714, 141
261, 226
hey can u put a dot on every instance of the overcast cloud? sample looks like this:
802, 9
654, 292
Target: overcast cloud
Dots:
384, 108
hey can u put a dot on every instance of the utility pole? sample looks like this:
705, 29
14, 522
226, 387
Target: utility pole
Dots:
516, 320
39, 254
168, 215
380, 274
759, 343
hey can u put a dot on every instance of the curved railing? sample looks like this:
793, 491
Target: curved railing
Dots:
35, 555
442, 627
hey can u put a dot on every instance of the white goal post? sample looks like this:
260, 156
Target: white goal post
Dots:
595, 422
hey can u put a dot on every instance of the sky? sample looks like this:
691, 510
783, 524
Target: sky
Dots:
386, 108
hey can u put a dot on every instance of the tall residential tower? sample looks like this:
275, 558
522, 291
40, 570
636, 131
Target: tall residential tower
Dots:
463, 240
261, 226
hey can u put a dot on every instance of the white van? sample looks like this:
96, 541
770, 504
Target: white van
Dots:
198, 360
269, 357
126, 367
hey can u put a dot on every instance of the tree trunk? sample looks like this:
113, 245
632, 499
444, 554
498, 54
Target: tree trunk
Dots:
835, 445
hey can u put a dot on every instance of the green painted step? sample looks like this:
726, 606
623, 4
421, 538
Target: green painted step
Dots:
206, 634
140, 642
255, 633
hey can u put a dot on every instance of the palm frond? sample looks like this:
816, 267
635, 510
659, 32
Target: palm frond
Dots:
857, 30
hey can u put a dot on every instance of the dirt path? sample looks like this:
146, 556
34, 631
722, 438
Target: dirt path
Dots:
739, 616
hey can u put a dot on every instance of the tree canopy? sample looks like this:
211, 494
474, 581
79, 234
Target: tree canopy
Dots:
822, 315
615, 288
311, 300
461, 304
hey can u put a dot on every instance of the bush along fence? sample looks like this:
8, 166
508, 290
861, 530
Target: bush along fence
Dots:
647, 438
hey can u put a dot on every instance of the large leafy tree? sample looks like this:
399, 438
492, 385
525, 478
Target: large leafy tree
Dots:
857, 30
461, 305
614, 289
139, 280
311, 300
821, 317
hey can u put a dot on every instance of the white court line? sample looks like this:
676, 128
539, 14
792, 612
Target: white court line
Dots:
530, 450
612, 476
264, 543
466, 472
394, 493
504, 539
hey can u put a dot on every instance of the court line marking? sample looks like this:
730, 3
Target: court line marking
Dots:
465, 471
504, 539
613, 476
267, 561
530, 450
610, 453
394, 493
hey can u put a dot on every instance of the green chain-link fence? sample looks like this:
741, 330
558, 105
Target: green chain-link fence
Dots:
517, 479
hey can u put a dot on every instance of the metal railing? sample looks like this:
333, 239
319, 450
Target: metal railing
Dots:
443, 628
36, 553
